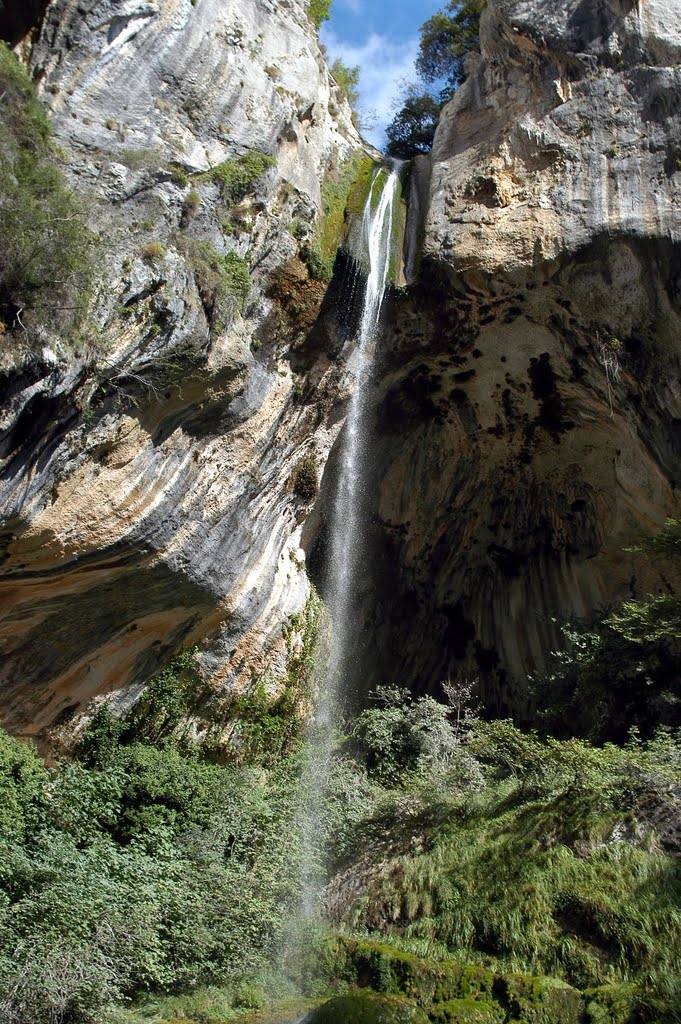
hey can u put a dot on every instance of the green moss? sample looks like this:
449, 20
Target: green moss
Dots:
387, 969
343, 194
360, 189
367, 1008
442, 987
611, 1004
467, 1011
539, 1000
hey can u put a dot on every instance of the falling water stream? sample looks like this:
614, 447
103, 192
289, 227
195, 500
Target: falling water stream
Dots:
346, 531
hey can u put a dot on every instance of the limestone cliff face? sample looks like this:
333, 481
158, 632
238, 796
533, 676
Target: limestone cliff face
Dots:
529, 411
527, 395
146, 482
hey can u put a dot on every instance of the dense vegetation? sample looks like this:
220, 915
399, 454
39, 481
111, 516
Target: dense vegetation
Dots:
47, 255
149, 865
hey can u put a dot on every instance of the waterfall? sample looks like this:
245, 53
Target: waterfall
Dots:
344, 549
347, 521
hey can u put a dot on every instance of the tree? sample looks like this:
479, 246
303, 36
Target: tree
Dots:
412, 129
623, 667
347, 79
319, 11
47, 253
446, 40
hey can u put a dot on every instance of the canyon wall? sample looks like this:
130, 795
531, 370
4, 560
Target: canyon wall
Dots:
148, 481
527, 405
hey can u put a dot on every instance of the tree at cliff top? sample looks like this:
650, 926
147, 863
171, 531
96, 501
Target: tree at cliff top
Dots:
46, 256
446, 40
319, 11
412, 129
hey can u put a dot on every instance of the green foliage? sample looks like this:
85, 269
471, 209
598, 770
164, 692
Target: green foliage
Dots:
367, 1008
223, 281
150, 870
166, 700
23, 781
347, 79
340, 191
266, 722
47, 257
319, 11
238, 176
622, 668
404, 738
412, 129
446, 40
547, 869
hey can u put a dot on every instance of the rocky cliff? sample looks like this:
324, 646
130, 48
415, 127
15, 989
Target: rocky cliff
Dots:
148, 483
529, 406
527, 403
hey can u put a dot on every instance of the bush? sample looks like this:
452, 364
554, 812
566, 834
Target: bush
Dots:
224, 283
304, 479
347, 80
150, 870
47, 258
236, 177
319, 11
622, 668
412, 129
151, 252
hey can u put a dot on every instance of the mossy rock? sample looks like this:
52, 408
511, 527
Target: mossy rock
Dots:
386, 969
611, 1004
367, 1008
467, 1011
539, 1000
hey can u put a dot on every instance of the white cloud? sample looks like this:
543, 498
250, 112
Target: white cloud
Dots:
384, 67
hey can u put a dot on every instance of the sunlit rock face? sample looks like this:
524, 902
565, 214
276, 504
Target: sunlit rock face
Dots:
147, 477
529, 406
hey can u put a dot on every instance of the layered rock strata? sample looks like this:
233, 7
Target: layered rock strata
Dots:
148, 466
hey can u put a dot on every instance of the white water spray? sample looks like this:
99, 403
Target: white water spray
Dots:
346, 532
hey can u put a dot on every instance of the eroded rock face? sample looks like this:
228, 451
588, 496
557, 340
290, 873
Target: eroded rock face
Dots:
145, 483
529, 408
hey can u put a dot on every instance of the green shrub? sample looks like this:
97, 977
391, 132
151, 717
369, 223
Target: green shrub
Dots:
304, 479
347, 79
47, 256
319, 11
224, 282
191, 204
238, 176
151, 252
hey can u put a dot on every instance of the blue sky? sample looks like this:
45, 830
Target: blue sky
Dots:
381, 37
